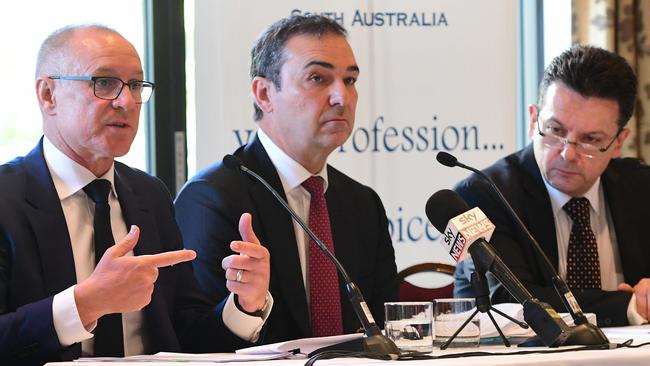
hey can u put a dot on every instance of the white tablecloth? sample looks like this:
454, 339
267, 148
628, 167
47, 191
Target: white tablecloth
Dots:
621, 356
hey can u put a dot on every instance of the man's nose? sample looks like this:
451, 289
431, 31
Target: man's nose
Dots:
569, 151
339, 93
126, 99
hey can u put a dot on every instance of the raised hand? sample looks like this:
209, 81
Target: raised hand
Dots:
248, 273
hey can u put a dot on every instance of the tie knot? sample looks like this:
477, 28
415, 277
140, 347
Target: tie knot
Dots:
314, 185
98, 190
578, 209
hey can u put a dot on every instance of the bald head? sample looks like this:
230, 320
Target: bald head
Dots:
52, 56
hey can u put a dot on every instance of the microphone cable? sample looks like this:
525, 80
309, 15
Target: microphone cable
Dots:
413, 356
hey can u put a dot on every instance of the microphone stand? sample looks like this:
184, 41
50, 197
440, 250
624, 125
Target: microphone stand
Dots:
583, 333
374, 341
483, 305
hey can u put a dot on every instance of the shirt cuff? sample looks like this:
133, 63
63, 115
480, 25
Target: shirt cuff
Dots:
245, 326
633, 317
67, 322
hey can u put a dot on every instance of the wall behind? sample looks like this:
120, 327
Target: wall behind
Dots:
435, 76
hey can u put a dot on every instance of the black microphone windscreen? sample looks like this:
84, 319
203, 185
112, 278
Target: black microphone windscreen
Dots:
446, 159
231, 162
444, 205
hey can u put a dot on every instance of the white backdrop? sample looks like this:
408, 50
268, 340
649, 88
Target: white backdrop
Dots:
436, 75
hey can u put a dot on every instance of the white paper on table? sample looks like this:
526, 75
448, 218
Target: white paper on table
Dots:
511, 329
190, 357
304, 345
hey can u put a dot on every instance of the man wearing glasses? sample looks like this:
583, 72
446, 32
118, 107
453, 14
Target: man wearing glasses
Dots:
67, 289
585, 206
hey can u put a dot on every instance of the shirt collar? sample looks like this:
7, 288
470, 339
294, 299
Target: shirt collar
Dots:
291, 173
69, 176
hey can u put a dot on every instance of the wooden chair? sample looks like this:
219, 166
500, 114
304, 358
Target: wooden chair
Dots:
410, 292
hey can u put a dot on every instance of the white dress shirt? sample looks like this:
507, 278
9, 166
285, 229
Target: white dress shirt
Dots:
292, 174
611, 271
69, 179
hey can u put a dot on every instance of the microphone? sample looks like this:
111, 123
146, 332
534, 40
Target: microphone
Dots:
374, 341
465, 227
449, 213
541, 317
569, 301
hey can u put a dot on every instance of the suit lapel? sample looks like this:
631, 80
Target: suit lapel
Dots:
278, 235
343, 219
537, 209
625, 225
135, 212
49, 226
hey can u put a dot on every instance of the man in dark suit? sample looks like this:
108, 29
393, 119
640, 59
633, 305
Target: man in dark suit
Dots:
60, 276
587, 96
303, 80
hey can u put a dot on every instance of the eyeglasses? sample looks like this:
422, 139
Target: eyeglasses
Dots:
109, 88
553, 136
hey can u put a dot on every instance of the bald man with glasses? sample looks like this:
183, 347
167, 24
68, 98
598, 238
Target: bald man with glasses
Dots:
586, 206
91, 259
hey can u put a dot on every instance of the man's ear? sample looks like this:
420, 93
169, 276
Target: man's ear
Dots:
45, 95
620, 139
532, 118
261, 88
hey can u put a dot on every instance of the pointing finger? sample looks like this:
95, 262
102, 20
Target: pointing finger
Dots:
246, 229
167, 258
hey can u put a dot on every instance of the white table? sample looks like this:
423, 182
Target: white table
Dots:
622, 356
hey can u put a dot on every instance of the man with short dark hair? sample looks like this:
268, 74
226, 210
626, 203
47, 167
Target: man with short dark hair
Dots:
66, 288
303, 75
584, 205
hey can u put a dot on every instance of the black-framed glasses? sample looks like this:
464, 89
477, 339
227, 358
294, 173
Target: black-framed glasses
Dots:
109, 88
554, 136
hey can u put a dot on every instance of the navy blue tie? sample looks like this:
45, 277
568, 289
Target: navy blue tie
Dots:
109, 341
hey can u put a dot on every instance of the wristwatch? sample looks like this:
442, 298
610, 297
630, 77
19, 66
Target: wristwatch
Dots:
258, 313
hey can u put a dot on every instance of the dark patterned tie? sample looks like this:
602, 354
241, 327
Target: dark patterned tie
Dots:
109, 341
583, 265
324, 293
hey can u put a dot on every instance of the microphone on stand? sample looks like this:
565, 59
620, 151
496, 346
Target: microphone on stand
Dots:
465, 229
374, 341
567, 297
462, 230
570, 302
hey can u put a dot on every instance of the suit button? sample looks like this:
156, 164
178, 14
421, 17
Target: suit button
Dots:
607, 321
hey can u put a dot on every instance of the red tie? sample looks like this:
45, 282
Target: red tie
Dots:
323, 278
583, 265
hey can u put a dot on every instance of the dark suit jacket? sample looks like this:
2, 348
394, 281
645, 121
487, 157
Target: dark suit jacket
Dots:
36, 263
208, 210
625, 183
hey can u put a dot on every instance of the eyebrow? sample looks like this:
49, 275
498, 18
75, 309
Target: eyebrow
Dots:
327, 65
601, 132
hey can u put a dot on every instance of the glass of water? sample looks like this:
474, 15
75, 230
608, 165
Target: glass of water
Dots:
410, 325
449, 316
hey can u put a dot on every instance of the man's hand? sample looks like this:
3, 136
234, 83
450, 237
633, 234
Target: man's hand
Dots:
253, 265
121, 283
642, 292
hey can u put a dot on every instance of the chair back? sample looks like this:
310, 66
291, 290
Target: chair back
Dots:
411, 292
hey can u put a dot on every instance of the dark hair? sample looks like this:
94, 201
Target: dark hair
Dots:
594, 72
267, 52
